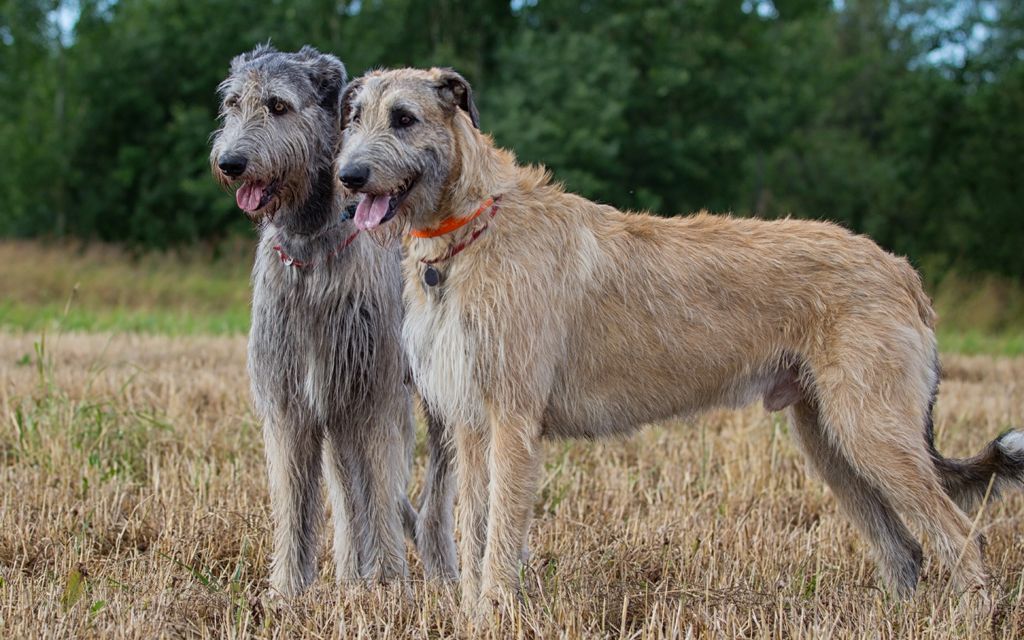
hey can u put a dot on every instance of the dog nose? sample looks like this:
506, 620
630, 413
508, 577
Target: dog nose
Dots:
354, 176
232, 166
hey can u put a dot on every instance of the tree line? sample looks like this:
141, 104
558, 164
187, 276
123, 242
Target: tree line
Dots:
903, 119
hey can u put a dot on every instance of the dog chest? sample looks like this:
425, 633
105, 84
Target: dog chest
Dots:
442, 353
313, 347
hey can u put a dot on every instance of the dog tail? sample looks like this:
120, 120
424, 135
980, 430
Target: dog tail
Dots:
967, 480
1000, 464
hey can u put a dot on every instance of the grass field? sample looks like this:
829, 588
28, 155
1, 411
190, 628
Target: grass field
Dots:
134, 500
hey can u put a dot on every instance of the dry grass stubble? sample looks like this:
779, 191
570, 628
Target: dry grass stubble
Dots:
134, 505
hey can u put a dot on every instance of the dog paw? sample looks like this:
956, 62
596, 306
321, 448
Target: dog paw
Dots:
494, 604
482, 612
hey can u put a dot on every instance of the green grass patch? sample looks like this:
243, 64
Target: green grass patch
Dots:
175, 322
980, 343
103, 288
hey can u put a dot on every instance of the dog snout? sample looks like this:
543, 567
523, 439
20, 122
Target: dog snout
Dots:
232, 165
354, 176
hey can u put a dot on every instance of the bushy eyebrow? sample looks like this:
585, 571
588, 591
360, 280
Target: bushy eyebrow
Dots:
409, 107
282, 91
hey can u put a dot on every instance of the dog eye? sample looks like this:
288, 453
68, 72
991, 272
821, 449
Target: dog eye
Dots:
402, 119
231, 102
278, 107
356, 115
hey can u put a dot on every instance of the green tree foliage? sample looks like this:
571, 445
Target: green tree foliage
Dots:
903, 119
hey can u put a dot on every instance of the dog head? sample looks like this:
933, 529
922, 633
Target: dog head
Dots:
399, 141
280, 124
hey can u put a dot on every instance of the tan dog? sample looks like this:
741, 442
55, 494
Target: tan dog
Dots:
533, 312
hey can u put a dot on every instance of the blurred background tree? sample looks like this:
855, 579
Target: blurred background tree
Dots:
903, 119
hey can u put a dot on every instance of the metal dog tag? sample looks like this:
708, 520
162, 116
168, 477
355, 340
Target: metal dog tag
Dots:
431, 276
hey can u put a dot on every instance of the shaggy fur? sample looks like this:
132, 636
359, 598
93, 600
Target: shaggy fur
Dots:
329, 379
569, 318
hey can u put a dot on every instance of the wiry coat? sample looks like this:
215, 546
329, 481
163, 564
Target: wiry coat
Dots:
329, 378
569, 318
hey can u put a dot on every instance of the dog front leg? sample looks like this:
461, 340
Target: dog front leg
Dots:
514, 460
382, 466
348, 509
294, 467
471, 471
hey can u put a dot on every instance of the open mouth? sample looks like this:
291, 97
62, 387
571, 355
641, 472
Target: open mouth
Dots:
253, 196
374, 210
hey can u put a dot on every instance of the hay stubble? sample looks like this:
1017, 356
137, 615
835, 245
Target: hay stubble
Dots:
134, 505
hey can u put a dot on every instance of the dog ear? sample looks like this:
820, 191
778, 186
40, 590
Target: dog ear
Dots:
455, 91
328, 75
347, 98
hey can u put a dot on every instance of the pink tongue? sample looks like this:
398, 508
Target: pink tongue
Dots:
248, 196
371, 210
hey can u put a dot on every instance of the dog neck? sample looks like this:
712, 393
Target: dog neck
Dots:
314, 232
316, 216
482, 171
316, 212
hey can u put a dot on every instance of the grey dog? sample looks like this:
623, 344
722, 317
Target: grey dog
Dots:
329, 378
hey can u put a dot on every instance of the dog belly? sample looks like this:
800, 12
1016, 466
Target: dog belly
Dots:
593, 406
589, 419
577, 409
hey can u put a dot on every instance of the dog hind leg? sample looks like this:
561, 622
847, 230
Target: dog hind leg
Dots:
874, 411
896, 551
435, 539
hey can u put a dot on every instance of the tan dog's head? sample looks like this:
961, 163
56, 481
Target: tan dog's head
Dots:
399, 142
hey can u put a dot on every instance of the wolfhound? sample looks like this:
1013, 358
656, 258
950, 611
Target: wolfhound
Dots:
533, 312
329, 379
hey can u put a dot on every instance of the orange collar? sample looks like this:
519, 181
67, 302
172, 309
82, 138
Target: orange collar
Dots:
452, 223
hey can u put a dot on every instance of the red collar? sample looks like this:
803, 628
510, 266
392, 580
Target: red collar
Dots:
451, 224
289, 261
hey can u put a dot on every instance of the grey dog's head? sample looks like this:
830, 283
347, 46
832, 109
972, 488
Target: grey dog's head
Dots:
280, 116
398, 147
